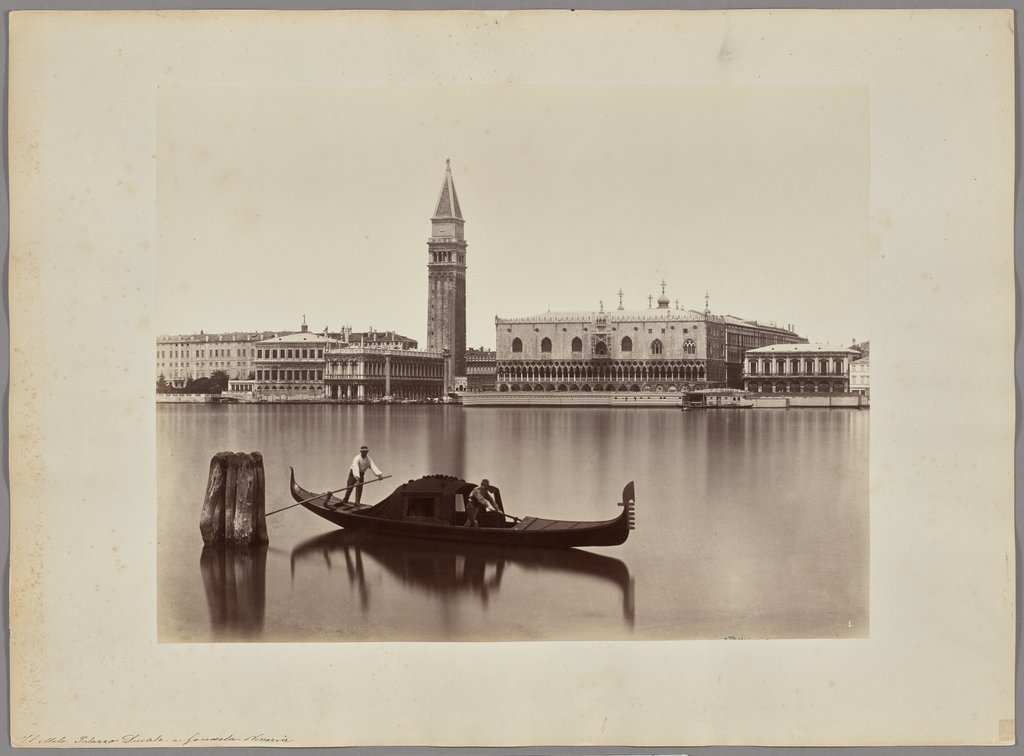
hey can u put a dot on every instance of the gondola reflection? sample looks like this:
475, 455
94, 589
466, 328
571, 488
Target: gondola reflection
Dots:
445, 569
235, 583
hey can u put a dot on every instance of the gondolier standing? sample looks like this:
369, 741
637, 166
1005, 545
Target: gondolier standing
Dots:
357, 473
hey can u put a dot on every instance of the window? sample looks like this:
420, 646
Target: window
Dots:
627, 344
600, 348
420, 506
689, 347
545, 344
319, 353
577, 344
656, 347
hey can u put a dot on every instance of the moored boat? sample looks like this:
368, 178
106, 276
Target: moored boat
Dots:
434, 507
718, 398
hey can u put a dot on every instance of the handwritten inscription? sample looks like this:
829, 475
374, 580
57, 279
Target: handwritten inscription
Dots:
137, 738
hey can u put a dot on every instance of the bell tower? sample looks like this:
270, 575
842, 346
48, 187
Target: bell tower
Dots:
446, 282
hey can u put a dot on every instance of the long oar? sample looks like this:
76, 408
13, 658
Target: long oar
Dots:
326, 495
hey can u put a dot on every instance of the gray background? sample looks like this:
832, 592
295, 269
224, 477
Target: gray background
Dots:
8, 5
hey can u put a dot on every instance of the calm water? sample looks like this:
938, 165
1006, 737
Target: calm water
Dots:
750, 524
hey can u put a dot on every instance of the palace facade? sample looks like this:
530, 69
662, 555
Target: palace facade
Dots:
798, 368
367, 373
481, 369
291, 366
198, 355
653, 350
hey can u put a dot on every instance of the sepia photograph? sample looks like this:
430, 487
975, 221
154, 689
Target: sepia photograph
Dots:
612, 308
609, 360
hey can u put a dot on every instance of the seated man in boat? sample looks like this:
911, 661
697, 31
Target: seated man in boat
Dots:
480, 499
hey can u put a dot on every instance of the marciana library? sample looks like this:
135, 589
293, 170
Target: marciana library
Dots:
662, 350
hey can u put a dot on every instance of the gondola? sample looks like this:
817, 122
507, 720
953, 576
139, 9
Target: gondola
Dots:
433, 507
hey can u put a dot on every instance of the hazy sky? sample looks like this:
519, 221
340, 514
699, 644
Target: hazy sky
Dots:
279, 203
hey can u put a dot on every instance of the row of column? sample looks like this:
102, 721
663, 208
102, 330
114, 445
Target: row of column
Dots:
796, 366
363, 390
545, 372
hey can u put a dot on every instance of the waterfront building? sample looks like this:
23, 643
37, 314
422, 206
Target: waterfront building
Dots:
481, 370
187, 357
291, 366
373, 338
446, 283
744, 335
366, 373
798, 368
860, 376
654, 350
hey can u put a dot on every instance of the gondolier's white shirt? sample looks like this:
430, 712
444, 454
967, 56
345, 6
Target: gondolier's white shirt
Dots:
361, 464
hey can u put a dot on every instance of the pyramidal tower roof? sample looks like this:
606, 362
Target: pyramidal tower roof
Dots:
448, 200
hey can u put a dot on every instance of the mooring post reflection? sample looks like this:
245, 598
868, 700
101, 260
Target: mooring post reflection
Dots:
235, 582
451, 571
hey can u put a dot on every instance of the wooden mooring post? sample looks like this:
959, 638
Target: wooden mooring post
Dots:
234, 510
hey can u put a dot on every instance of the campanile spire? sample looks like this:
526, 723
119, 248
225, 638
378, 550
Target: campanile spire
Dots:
446, 281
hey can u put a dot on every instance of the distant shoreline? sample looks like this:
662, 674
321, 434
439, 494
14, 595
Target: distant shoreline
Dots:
554, 399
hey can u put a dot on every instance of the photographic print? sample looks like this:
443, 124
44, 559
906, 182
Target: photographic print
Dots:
380, 356
468, 317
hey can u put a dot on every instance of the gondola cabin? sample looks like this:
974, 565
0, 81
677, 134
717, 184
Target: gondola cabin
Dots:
437, 500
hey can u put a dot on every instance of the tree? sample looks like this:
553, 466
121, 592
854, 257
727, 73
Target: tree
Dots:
162, 387
199, 386
219, 381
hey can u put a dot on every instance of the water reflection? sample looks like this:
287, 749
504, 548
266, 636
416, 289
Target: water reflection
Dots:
235, 582
451, 571
750, 525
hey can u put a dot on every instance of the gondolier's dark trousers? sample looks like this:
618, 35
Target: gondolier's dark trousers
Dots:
352, 481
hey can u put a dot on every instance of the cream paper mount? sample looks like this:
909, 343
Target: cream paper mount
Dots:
86, 666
